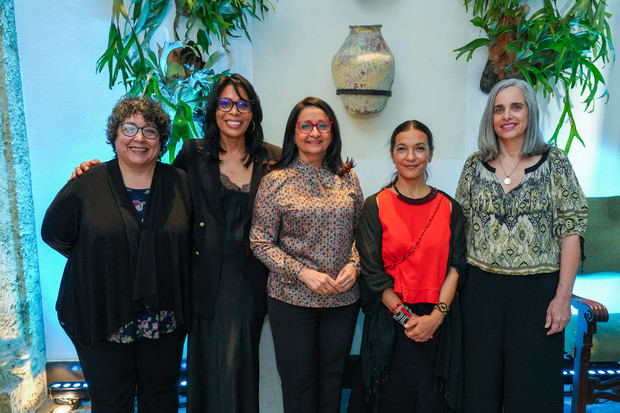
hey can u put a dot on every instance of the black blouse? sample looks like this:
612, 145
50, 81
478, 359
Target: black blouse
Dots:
116, 264
209, 224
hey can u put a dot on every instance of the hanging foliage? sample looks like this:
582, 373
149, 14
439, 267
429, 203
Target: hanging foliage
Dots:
180, 71
552, 51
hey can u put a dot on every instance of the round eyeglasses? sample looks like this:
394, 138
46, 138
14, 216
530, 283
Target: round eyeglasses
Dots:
323, 126
130, 129
225, 105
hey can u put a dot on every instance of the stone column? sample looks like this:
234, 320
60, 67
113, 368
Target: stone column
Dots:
22, 342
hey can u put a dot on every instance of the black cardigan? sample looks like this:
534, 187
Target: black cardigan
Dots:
209, 220
116, 264
379, 328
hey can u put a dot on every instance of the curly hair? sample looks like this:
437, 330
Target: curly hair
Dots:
150, 109
253, 136
333, 159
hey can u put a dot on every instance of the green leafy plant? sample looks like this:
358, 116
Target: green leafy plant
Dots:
174, 71
554, 52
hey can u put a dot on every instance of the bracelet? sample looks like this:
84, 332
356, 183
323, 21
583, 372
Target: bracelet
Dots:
393, 310
356, 264
442, 307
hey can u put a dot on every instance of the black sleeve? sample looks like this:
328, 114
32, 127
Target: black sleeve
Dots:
457, 258
61, 224
181, 161
369, 245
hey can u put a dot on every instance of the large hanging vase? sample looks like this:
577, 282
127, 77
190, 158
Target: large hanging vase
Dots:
363, 71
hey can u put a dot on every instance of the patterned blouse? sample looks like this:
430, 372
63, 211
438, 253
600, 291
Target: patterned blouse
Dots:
294, 225
151, 323
520, 232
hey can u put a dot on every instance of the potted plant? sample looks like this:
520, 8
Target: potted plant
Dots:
174, 71
554, 51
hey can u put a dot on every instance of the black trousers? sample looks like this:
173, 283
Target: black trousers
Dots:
509, 361
411, 385
114, 372
311, 346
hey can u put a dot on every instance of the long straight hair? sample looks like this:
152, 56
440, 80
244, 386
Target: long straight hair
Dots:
487, 138
333, 159
254, 134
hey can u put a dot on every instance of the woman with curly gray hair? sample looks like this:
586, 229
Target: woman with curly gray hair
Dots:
125, 230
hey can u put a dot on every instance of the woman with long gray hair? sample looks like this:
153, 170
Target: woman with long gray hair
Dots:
525, 214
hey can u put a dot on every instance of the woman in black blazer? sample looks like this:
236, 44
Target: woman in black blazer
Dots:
229, 283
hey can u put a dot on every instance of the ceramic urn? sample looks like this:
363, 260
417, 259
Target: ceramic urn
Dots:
363, 71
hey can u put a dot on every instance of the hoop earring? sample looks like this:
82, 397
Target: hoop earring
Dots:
253, 124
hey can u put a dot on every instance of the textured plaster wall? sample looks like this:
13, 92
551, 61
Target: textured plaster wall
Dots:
22, 345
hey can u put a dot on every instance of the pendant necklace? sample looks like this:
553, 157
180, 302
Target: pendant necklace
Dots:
507, 179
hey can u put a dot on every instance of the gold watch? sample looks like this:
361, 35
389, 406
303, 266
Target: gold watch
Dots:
443, 307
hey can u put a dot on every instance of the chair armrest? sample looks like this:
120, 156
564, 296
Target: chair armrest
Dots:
593, 311
590, 312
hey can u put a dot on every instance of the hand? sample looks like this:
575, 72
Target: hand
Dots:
558, 314
84, 167
346, 278
318, 282
422, 328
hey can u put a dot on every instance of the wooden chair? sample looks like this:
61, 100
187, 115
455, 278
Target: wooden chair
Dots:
593, 335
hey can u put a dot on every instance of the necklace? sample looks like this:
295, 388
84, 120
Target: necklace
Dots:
416, 201
507, 179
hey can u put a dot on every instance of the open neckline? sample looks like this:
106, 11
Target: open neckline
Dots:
526, 171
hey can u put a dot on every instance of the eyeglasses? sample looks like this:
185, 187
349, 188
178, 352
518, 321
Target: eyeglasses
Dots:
130, 129
323, 126
225, 105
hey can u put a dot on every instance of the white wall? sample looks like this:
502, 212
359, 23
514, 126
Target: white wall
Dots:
292, 54
67, 104
292, 59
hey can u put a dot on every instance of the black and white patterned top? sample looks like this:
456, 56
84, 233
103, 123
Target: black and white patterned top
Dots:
520, 232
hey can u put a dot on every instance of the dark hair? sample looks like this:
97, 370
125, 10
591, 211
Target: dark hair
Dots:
409, 125
412, 124
487, 138
150, 109
254, 134
333, 159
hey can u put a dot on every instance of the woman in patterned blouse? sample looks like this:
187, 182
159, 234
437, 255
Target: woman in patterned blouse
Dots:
525, 214
305, 212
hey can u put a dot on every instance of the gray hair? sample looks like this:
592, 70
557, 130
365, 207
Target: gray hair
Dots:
487, 138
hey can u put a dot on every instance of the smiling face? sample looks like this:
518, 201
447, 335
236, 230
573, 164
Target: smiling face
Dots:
136, 151
233, 124
510, 114
411, 154
312, 146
